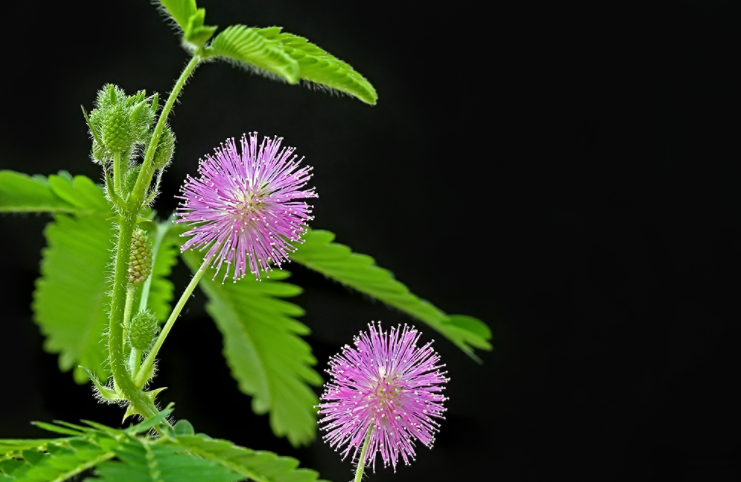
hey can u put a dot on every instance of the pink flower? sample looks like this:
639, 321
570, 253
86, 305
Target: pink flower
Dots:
242, 207
385, 388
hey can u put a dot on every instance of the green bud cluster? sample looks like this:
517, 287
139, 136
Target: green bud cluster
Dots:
143, 330
140, 264
119, 122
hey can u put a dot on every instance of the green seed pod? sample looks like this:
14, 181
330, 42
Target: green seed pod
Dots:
143, 330
115, 129
165, 149
140, 264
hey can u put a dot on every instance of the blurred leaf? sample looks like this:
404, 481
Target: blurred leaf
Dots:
262, 347
71, 297
21, 193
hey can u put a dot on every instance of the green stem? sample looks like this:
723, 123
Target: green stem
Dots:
363, 452
147, 170
119, 367
117, 173
149, 361
135, 358
127, 312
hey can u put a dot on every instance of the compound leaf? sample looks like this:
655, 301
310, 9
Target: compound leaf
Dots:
263, 348
144, 462
71, 297
260, 466
360, 272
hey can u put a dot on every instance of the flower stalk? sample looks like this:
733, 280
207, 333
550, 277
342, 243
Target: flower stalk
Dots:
141, 377
363, 453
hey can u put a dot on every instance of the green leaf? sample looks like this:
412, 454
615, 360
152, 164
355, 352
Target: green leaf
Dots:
144, 462
360, 272
57, 194
82, 193
71, 297
262, 347
53, 460
320, 67
290, 57
17, 446
196, 33
257, 465
180, 10
249, 48
20, 193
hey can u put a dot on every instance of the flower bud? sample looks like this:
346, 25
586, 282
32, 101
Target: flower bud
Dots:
143, 330
140, 264
115, 129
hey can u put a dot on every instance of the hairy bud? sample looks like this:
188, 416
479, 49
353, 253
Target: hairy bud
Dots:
140, 265
143, 330
115, 129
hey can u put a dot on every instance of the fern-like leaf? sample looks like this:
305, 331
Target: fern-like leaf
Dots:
53, 460
360, 272
259, 466
145, 462
262, 347
320, 67
71, 297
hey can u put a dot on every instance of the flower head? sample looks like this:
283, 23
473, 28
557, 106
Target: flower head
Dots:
243, 207
385, 388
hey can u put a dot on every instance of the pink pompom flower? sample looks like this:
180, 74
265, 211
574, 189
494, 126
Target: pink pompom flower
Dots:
386, 389
243, 206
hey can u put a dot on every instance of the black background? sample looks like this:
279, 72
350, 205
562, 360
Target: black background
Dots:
565, 172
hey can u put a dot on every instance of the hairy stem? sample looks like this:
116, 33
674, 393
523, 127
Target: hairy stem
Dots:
363, 453
147, 169
119, 366
149, 361
127, 312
